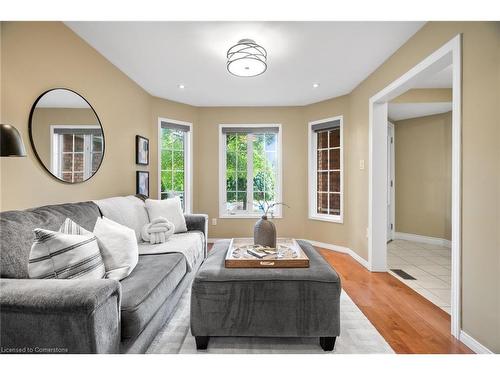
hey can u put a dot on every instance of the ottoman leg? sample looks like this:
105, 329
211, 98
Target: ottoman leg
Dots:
201, 342
327, 343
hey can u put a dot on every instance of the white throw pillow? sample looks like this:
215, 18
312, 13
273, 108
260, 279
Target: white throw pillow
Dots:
170, 209
129, 211
56, 255
118, 246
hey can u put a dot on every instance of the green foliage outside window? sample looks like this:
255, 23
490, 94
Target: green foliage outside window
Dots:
264, 168
172, 163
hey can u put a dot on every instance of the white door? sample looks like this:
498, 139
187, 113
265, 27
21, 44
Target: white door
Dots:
390, 182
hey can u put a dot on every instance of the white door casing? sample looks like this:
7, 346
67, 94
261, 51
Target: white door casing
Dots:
448, 54
391, 203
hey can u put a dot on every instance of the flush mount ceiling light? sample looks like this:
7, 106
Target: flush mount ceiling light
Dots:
246, 59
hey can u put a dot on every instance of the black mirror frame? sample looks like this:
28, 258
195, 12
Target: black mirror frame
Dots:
30, 131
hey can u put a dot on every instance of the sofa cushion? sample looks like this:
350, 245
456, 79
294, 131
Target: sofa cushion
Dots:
190, 244
129, 211
16, 236
151, 282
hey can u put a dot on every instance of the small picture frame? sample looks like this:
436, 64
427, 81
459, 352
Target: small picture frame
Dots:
141, 150
142, 183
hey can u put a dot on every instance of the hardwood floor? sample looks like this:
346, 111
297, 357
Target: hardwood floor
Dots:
408, 322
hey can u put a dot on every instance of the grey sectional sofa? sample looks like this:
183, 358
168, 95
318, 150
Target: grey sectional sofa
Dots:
84, 316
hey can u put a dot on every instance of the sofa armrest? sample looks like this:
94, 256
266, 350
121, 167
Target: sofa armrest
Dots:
198, 222
59, 316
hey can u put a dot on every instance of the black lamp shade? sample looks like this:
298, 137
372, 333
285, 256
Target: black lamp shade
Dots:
11, 143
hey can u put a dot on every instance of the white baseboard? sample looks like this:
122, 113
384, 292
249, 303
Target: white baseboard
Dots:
473, 344
422, 239
341, 249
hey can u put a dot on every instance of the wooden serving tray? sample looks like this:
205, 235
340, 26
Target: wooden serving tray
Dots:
288, 255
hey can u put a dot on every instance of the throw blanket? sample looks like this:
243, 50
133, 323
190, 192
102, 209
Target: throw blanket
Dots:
190, 244
158, 231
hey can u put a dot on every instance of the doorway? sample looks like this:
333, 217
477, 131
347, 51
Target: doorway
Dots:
419, 254
448, 54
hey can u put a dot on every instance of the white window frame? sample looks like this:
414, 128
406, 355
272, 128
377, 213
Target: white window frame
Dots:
188, 162
223, 214
55, 157
312, 175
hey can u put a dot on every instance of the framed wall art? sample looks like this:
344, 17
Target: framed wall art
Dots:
141, 150
142, 183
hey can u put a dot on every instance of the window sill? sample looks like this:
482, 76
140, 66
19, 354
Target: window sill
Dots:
247, 216
328, 218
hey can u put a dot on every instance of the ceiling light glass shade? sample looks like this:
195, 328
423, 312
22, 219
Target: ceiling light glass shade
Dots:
246, 59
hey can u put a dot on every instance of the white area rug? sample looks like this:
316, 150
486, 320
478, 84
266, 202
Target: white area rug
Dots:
358, 336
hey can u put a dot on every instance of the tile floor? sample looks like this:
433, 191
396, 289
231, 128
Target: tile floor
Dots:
430, 265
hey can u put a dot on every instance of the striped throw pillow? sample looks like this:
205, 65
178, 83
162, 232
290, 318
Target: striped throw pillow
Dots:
56, 255
70, 227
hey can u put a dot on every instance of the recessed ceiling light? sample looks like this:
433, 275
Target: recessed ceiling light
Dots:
181, 86
246, 59
315, 85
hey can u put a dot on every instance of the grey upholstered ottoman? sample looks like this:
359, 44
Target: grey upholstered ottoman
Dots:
286, 302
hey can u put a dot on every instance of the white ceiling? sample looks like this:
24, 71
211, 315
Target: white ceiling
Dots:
441, 80
161, 55
61, 98
404, 111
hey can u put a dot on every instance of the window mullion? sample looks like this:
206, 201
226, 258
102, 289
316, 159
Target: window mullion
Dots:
60, 154
250, 173
172, 171
184, 163
73, 160
224, 186
86, 156
329, 188
315, 171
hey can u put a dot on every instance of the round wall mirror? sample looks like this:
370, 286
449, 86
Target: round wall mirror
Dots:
66, 135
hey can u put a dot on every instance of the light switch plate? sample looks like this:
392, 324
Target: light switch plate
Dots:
362, 164
214, 221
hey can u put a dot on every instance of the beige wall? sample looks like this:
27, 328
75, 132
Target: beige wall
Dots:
424, 96
173, 111
334, 233
294, 131
44, 118
38, 56
64, 60
294, 122
423, 175
480, 158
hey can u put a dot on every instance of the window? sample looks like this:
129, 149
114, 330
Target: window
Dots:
250, 165
76, 151
175, 161
326, 170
